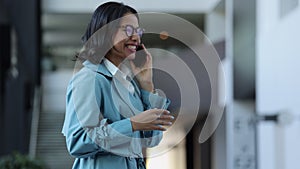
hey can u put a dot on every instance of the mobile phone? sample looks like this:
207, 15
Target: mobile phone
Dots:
140, 57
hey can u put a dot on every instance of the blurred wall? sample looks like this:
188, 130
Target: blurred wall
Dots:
278, 83
4, 59
20, 73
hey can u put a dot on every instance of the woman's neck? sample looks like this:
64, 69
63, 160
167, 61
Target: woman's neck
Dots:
118, 62
115, 59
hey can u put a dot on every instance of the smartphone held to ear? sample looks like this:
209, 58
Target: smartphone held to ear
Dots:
140, 56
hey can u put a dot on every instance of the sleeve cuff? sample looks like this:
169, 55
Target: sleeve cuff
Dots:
152, 100
123, 127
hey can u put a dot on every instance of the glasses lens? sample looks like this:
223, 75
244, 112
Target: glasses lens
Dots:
129, 30
140, 31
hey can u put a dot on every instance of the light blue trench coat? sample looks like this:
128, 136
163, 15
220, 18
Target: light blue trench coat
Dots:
97, 127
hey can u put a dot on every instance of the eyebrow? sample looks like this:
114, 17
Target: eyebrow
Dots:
130, 25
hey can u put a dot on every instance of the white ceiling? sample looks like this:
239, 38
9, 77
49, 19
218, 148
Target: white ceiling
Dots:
64, 21
66, 29
168, 6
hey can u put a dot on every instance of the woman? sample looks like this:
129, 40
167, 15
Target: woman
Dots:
110, 117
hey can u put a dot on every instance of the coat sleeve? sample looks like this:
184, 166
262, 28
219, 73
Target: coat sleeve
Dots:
87, 132
150, 101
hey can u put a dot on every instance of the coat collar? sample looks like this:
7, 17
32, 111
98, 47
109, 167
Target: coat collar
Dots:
100, 68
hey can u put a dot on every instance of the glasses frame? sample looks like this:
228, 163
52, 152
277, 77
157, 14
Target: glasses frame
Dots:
138, 30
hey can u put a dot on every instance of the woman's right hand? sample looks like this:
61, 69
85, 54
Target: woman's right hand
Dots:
152, 119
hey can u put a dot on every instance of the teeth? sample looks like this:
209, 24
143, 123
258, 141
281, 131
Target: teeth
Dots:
132, 47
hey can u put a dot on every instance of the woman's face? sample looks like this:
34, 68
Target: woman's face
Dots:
125, 46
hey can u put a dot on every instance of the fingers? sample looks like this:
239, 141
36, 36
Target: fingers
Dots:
163, 122
149, 57
166, 117
158, 127
161, 112
161, 116
147, 52
164, 114
152, 119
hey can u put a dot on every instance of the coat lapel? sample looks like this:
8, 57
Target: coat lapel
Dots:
119, 87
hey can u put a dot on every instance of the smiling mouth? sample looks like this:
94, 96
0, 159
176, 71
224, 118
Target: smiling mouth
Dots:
132, 47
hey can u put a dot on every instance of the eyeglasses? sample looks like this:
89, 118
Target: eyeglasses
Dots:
129, 30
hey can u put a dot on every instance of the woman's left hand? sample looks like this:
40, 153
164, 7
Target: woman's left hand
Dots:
144, 73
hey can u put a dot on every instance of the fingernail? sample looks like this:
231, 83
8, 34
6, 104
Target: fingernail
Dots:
160, 126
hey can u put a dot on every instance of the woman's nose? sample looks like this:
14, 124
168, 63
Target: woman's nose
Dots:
135, 37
